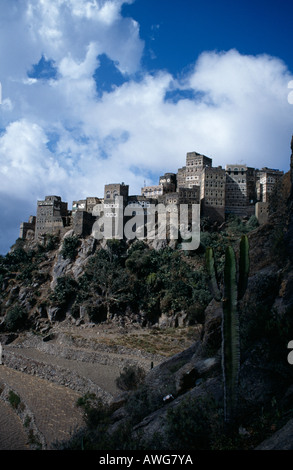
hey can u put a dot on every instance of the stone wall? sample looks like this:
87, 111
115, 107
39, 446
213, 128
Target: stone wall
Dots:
83, 223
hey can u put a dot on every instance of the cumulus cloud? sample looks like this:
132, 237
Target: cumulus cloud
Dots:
61, 135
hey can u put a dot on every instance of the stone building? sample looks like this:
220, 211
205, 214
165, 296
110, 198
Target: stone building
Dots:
262, 212
209, 182
190, 175
91, 202
169, 183
240, 190
181, 177
82, 218
52, 216
111, 191
212, 193
153, 191
266, 179
86, 205
78, 206
28, 228
82, 223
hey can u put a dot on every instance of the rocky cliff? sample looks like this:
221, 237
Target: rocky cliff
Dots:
179, 404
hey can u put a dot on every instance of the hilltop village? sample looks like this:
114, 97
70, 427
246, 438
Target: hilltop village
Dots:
236, 189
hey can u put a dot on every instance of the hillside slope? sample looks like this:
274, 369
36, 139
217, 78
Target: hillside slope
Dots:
79, 282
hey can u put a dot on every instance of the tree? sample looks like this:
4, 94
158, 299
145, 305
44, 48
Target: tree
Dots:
108, 279
15, 318
69, 248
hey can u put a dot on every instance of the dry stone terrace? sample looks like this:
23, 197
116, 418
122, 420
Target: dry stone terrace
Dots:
49, 376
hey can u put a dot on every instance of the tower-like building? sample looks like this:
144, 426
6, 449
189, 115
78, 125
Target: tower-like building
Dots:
266, 179
240, 190
212, 193
52, 216
190, 175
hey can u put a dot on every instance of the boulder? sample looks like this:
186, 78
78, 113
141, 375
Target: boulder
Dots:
54, 313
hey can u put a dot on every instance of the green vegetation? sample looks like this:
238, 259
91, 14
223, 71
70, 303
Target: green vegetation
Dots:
51, 242
69, 247
146, 281
118, 278
130, 378
193, 424
15, 318
64, 291
13, 399
163, 341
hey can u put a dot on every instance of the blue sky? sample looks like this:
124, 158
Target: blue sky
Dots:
101, 91
176, 32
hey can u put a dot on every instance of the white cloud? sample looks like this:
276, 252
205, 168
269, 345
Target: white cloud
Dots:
27, 167
74, 70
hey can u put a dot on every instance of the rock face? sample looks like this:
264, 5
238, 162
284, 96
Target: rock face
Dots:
64, 266
281, 440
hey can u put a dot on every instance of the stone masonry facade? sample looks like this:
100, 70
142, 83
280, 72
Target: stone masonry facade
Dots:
236, 189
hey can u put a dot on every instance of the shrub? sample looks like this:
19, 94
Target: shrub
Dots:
95, 411
143, 402
64, 291
193, 424
16, 318
130, 378
51, 241
13, 399
253, 222
69, 248
17, 257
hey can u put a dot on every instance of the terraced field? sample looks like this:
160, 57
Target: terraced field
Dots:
41, 378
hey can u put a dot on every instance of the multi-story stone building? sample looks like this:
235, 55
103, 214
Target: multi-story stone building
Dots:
262, 212
181, 177
167, 184
212, 193
266, 179
168, 181
52, 216
112, 191
190, 175
153, 191
240, 190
